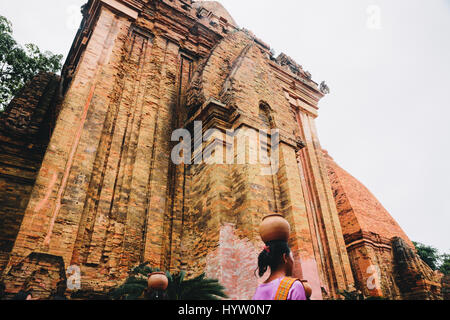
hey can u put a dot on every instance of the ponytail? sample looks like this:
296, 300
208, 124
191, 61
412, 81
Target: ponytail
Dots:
272, 256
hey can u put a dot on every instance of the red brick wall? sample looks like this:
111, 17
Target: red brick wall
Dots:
368, 230
25, 127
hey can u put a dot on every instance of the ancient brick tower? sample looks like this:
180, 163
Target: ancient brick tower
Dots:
87, 179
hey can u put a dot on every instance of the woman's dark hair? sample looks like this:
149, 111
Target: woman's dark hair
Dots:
272, 256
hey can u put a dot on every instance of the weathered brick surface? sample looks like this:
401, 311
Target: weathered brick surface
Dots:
103, 199
25, 127
358, 208
107, 195
369, 231
232, 263
446, 287
240, 73
39, 271
415, 279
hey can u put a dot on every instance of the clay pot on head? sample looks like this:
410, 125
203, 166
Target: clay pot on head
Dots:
307, 287
158, 281
274, 227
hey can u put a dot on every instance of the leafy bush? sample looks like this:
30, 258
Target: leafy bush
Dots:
19, 65
433, 258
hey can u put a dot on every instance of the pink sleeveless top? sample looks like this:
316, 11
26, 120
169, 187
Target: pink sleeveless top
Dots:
267, 291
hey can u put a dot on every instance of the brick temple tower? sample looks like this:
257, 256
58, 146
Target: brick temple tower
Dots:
88, 177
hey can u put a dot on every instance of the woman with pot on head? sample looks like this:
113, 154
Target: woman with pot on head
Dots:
277, 256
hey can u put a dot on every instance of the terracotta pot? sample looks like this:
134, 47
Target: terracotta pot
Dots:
158, 281
274, 227
307, 287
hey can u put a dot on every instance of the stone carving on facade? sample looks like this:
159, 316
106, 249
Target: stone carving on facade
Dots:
414, 277
445, 287
324, 88
284, 60
308, 75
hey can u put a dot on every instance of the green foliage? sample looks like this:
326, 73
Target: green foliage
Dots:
445, 266
357, 295
428, 254
19, 65
199, 288
135, 285
351, 295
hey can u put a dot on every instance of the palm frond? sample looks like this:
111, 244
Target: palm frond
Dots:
198, 288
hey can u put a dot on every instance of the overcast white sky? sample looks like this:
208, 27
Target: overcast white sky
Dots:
386, 120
